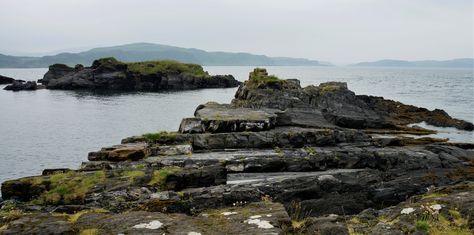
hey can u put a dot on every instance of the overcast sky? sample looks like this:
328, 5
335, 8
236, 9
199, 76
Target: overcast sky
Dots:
340, 31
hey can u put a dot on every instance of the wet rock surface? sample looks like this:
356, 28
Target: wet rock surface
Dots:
280, 159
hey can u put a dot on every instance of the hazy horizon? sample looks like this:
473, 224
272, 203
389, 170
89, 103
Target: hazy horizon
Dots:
337, 31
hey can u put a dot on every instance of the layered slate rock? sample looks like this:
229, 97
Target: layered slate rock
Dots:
255, 218
110, 74
280, 159
339, 105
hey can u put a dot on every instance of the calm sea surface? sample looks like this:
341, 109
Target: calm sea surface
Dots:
50, 128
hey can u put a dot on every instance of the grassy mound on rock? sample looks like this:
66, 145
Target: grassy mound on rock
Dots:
260, 79
70, 187
151, 67
166, 67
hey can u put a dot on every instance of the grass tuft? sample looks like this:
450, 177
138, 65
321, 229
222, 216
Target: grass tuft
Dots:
159, 176
422, 225
132, 174
160, 136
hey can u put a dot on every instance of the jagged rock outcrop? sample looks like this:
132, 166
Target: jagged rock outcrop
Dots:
280, 159
339, 105
110, 74
20, 85
6, 80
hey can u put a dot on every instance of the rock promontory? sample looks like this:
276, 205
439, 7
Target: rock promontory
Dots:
6, 80
111, 74
279, 159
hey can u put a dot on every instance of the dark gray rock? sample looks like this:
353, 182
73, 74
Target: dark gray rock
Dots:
110, 74
6, 80
19, 85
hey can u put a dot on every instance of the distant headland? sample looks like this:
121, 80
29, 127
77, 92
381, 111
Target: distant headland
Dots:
454, 63
150, 51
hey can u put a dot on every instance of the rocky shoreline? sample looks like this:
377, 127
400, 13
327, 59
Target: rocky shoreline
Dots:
279, 159
109, 74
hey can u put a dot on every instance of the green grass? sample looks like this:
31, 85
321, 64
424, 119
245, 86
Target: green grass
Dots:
36, 180
159, 176
434, 195
90, 231
74, 217
260, 78
422, 225
70, 187
166, 67
160, 136
132, 174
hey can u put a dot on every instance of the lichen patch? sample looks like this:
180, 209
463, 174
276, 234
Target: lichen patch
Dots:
155, 224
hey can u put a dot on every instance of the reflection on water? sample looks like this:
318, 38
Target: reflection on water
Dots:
51, 128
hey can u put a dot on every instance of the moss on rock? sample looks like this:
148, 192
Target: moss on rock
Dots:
70, 187
159, 176
160, 136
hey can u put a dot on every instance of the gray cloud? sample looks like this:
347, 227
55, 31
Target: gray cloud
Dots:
332, 30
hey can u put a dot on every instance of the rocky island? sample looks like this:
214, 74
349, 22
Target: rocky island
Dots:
279, 159
109, 74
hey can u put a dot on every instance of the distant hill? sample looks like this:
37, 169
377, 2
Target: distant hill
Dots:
455, 63
149, 51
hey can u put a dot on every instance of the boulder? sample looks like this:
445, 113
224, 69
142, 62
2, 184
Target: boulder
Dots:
122, 152
19, 85
55, 71
215, 118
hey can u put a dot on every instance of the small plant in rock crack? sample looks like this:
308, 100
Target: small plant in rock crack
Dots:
298, 215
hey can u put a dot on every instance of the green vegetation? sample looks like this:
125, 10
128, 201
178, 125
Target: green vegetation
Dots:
422, 225
266, 79
259, 77
36, 180
298, 215
70, 187
160, 136
107, 62
310, 151
132, 174
74, 217
90, 231
434, 195
7, 215
166, 67
442, 225
159, 176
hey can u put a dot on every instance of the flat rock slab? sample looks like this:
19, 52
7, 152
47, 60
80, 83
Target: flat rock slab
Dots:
303, 118
252, 178
214, 118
